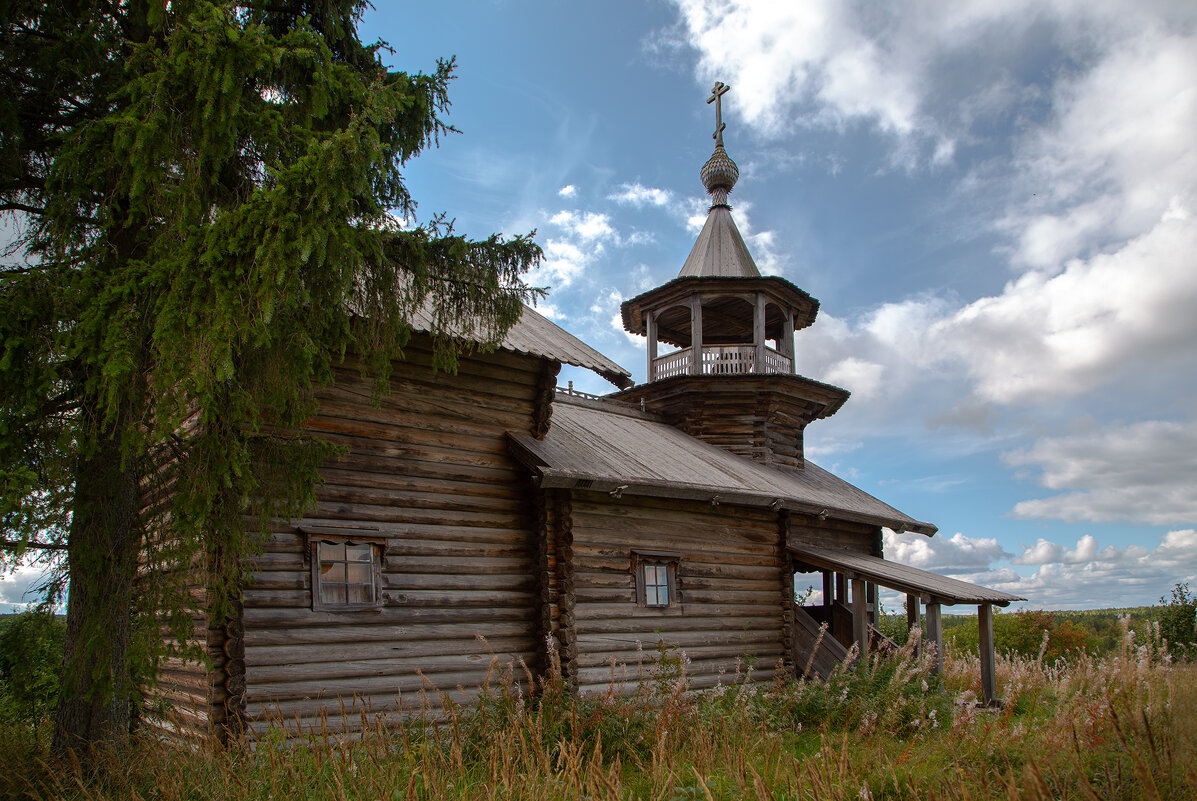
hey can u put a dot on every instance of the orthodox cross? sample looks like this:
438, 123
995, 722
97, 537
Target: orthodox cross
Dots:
716, 98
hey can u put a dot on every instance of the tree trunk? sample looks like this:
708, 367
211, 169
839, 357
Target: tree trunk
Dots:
105, 539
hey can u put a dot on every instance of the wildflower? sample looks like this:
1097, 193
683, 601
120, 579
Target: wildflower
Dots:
924, 685
864, 793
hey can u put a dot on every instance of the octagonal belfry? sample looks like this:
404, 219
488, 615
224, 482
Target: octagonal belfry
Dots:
730, 377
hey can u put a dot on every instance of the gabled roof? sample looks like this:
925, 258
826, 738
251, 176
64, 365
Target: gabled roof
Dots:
604, 445
720, 251
904, 578
535, 335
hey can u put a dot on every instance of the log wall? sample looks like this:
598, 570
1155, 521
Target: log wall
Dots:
732, 607
428, 472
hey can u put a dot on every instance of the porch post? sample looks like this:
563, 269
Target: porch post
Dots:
912, 618
874, 607
695, 335
860, 627
650, 326
828, 593
787, 341
841, 588
758, 334
988, 678
935, 634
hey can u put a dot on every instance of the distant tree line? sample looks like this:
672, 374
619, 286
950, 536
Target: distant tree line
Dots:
1034, 632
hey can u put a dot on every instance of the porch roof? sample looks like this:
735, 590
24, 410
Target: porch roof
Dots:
904, 578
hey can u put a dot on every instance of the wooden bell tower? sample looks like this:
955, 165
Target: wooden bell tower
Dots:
728, 374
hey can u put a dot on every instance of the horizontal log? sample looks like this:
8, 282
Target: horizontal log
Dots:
416, 538
397, 449
378, 631
601, 561
374, 458
465, 642
585, 579
497, 487
696, 654
377, 507
461, 598
266, 694
690, 597
731, 613
588, 625
442, 500
721, 669
433, 412
668, 511
628, 640
491, 443
429, 663
264, 617
762, 558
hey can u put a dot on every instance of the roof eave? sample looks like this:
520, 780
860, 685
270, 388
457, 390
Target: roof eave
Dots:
552, 478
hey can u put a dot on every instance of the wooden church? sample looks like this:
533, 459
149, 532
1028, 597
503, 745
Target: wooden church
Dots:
488, 513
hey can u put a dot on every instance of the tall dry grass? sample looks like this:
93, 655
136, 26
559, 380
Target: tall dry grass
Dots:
1124, 726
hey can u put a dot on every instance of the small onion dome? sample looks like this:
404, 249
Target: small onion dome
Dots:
719, 175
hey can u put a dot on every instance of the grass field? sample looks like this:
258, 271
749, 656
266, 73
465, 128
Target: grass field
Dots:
1118, 726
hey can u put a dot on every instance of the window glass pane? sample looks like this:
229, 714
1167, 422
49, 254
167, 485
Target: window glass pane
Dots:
332, 593
360, 573
332, 572
358, 553
663, 595
332, 551
361, 593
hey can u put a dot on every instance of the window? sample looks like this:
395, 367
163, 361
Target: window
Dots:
656, 579
346, 571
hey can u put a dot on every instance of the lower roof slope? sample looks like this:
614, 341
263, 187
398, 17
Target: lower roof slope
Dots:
905, 578
605, 446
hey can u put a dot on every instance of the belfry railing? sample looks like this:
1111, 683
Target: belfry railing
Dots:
721, 360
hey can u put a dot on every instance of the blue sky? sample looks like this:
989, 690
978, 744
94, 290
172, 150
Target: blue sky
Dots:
993, 201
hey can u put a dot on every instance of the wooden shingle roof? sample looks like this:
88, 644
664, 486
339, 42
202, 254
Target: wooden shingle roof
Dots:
604, 446
536, 335
940, 589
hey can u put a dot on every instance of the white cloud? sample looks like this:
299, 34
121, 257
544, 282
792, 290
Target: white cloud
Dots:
638, 195
568, 191
1110, 576
1066, 578
1095, 198
1140, 473
955, 554
586, 225
783, 57
17, 588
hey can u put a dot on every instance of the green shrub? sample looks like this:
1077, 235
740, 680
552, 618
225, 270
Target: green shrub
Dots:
1177, 617
30, 662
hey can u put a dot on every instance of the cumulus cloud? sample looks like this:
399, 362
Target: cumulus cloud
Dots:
18, 588
1095, 197
1126, 576
1140, 473
567, 191
586, 225
639, 195
1065, 578
954, 555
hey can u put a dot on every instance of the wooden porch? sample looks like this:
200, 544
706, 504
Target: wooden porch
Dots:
851, 618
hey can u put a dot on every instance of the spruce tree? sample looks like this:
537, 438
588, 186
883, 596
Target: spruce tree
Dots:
211, 212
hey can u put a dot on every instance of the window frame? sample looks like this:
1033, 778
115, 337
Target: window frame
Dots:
671, 562
344, 537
